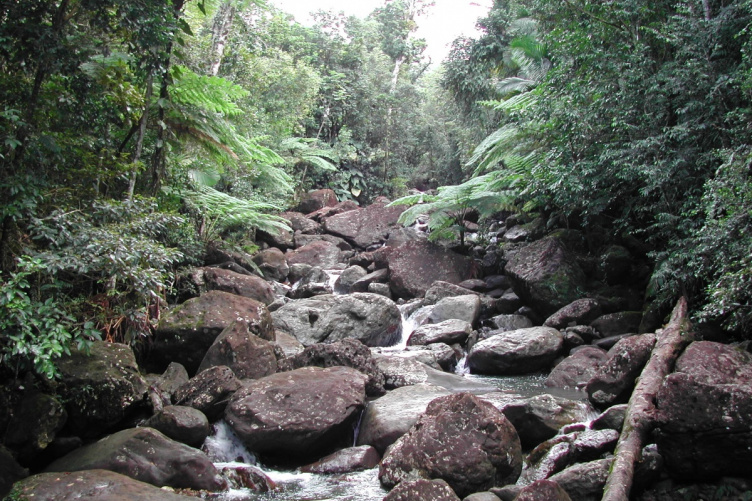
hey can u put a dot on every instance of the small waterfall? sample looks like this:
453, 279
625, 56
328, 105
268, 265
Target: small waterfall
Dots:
333, 277
223, 446
462, 367
413, 315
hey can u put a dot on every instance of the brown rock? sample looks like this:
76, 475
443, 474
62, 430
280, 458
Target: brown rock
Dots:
246, 354
422, 489
415, 266
364, 227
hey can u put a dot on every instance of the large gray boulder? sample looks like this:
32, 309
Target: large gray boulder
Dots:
273, 264
306, 412
364, 227
460, 439
577, 369
388, 418
415, 266
363, 457
249, 356
185, 333
317, 253
465, 308
521, 351
402, 371
705, 413
579, 312
147, 455
449, 331
183, 424
317, 200
614, 380
100, 388
218, 279
208, 391
370, 318
94, 485
546, 275
584, 481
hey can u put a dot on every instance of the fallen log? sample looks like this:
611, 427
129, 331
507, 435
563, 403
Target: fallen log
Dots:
639, 421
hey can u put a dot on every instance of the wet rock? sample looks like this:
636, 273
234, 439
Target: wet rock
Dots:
391, 416
543, 490
411, 490
584, 481
364, 282
182, 424
208, 391
503, 323
705, 413
10, 472
185, 333
540, 417
345, 353
482, 496
475, 285
577, 369
585, 332
35, 423
612, 418
461, 439
321, 214
249, 356
380, 289
94, 485
249, 286
614, 324
318, 253
288, 345
349, 276
440, 290
615, 379
508, 302
301, 224
415, 266
364, 227
100, 389
306, 412
317, 200
465, 308
166, 384
446, 356
273, 264
351, 459
546, 276
146, 455
399, 371
246, 476
516, 352
449, 332
372, 319
579, 312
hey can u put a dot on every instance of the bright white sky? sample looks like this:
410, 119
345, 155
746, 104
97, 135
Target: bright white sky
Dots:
444, 22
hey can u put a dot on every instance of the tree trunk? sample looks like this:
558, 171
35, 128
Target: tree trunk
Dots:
639, 422
141, 134
220, 32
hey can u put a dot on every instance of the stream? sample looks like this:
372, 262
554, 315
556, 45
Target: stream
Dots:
227, 451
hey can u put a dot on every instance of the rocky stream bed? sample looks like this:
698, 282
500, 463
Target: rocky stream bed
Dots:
368, 363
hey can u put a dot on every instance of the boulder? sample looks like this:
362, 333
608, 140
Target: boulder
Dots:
246, 476
372, 319
388, 418
546, 276
306, 412
10, 472
440, 290
449, 331
300, 223
301, 239
345, 206
584, 481
166, 384
287, 345
705, 413
543, 490
364, 227
347, 460
100, 389
273, 264
185, 333
516, 352
577, 369
146, 455
579, 312
182, 424
402, 371
349, 276
317, 200
317, 253
482, 496
415, 266
380, 289
412, 490
614, 381
614, 324
251, 286
94, 485
208, 391
345, 353
540, 417
249, 356
35, 422
465, 308
364, 282
507, 322
611, 419
461, 439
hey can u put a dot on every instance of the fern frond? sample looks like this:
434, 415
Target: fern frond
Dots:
211, 93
